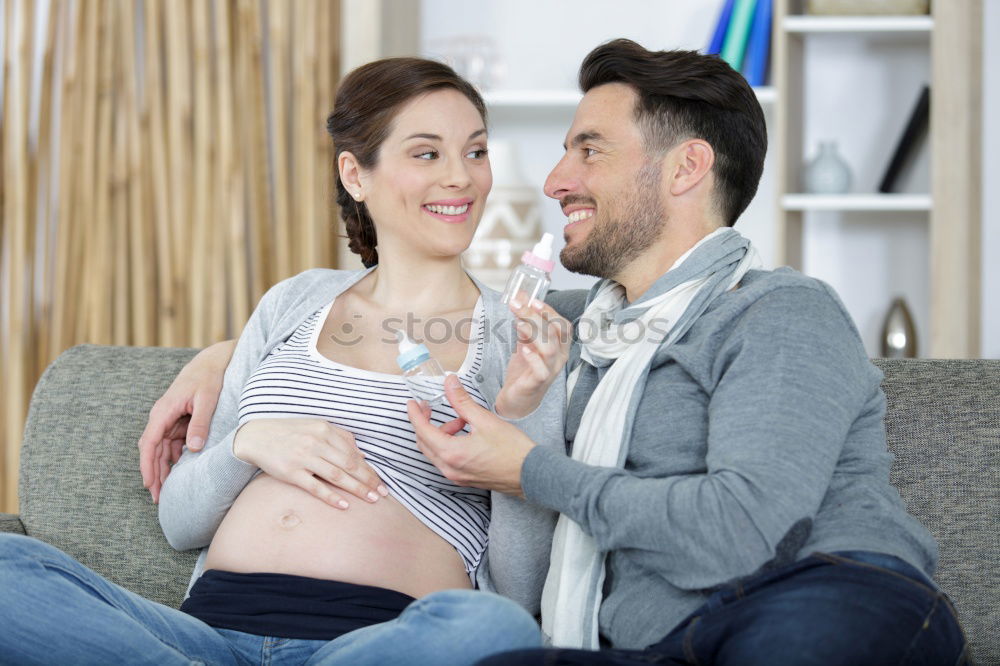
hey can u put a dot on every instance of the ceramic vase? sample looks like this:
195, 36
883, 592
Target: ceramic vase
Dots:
827, 173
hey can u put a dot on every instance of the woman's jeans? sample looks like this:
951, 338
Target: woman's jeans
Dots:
54, 610
850, 608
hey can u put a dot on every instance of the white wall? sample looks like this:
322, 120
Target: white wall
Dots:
864, 94
991, 180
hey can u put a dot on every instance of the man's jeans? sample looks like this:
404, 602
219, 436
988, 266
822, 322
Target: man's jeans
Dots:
54, 610
850, 608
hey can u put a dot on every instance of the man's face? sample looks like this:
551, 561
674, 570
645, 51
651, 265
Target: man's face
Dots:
607, 187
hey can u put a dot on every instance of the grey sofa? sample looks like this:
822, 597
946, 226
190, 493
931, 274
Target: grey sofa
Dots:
80, 488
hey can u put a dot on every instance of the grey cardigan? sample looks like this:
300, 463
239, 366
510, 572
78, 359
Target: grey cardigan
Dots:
759, 439
202, 486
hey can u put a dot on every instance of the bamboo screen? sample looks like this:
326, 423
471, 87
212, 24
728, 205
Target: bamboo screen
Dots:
164, 162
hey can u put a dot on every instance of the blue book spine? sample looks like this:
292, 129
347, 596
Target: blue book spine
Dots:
738, 34
719, 36
759, 48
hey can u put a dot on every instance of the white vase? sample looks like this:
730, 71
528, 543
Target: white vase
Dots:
827, 173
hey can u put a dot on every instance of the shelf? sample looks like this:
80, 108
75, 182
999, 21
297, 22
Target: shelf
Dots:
568, 99
857, 202
858, 24
532, 98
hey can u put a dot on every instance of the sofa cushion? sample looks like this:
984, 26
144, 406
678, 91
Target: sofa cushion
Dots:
943, 426
80, 488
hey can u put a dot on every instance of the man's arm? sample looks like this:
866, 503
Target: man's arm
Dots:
183, 414
789, 391
793, 380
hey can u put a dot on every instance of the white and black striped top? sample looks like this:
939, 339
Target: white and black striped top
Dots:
295, 380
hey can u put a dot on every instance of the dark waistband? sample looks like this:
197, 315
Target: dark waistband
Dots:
287, 606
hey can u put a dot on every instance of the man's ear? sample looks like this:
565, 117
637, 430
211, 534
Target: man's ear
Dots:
350, 175
691, 161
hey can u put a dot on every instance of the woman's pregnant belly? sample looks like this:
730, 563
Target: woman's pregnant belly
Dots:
276, 527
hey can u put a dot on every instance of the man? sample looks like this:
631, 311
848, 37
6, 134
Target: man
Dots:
725, 498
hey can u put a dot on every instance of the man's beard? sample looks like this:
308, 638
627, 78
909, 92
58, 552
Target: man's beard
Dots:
613, 243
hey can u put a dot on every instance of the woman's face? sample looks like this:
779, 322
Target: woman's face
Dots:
427, 191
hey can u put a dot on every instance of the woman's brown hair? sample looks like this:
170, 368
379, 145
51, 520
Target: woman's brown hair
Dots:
367, 102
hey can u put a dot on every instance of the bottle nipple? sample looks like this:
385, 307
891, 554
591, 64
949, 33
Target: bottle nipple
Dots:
541, 255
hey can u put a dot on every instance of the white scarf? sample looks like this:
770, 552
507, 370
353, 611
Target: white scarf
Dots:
571, 598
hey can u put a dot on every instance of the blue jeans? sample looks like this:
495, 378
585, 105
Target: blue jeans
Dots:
852, 608
54, 610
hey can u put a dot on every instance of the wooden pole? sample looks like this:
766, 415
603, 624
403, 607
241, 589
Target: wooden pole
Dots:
178, 101
201, 223
278, 38
232, 205
141, 251
158, 180
15, 211
70, 114
304, 131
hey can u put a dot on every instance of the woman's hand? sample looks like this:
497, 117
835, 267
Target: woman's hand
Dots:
543, 340
182, 414
312, 454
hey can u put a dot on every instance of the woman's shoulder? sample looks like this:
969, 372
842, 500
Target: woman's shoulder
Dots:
329, 279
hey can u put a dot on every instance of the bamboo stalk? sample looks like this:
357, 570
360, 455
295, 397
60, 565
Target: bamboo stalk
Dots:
233, 204
255, 141
157, 180
15, 209
118, 223
48, 165
85, 178
278, 23
304, 77
97, 274
216, 248
178, 100
69, 141
201, 229
328, 69
141, 274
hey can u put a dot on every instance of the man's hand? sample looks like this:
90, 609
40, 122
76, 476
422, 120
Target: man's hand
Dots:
543, 342
489, 457
182, 415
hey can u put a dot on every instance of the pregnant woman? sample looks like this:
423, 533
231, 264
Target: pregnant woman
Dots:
295, 568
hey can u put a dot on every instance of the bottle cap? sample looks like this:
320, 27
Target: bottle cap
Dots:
541, 255
410, 353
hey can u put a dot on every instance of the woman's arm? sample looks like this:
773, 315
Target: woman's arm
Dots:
316, 457
182, 415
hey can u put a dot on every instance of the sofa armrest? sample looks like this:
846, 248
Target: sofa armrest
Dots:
11, 522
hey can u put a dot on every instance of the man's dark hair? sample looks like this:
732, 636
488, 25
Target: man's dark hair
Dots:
685, 95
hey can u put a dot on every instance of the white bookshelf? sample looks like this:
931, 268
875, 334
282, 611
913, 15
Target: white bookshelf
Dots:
568, 99
857, 202
946, 216
798, 24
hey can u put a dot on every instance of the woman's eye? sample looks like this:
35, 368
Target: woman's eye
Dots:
427, 155
478, 153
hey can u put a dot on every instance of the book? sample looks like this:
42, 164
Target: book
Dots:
721, 26
735, 45
914, 134
759, 45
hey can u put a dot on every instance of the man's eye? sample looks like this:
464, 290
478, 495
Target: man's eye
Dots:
478, 153
428, 155
589, 152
